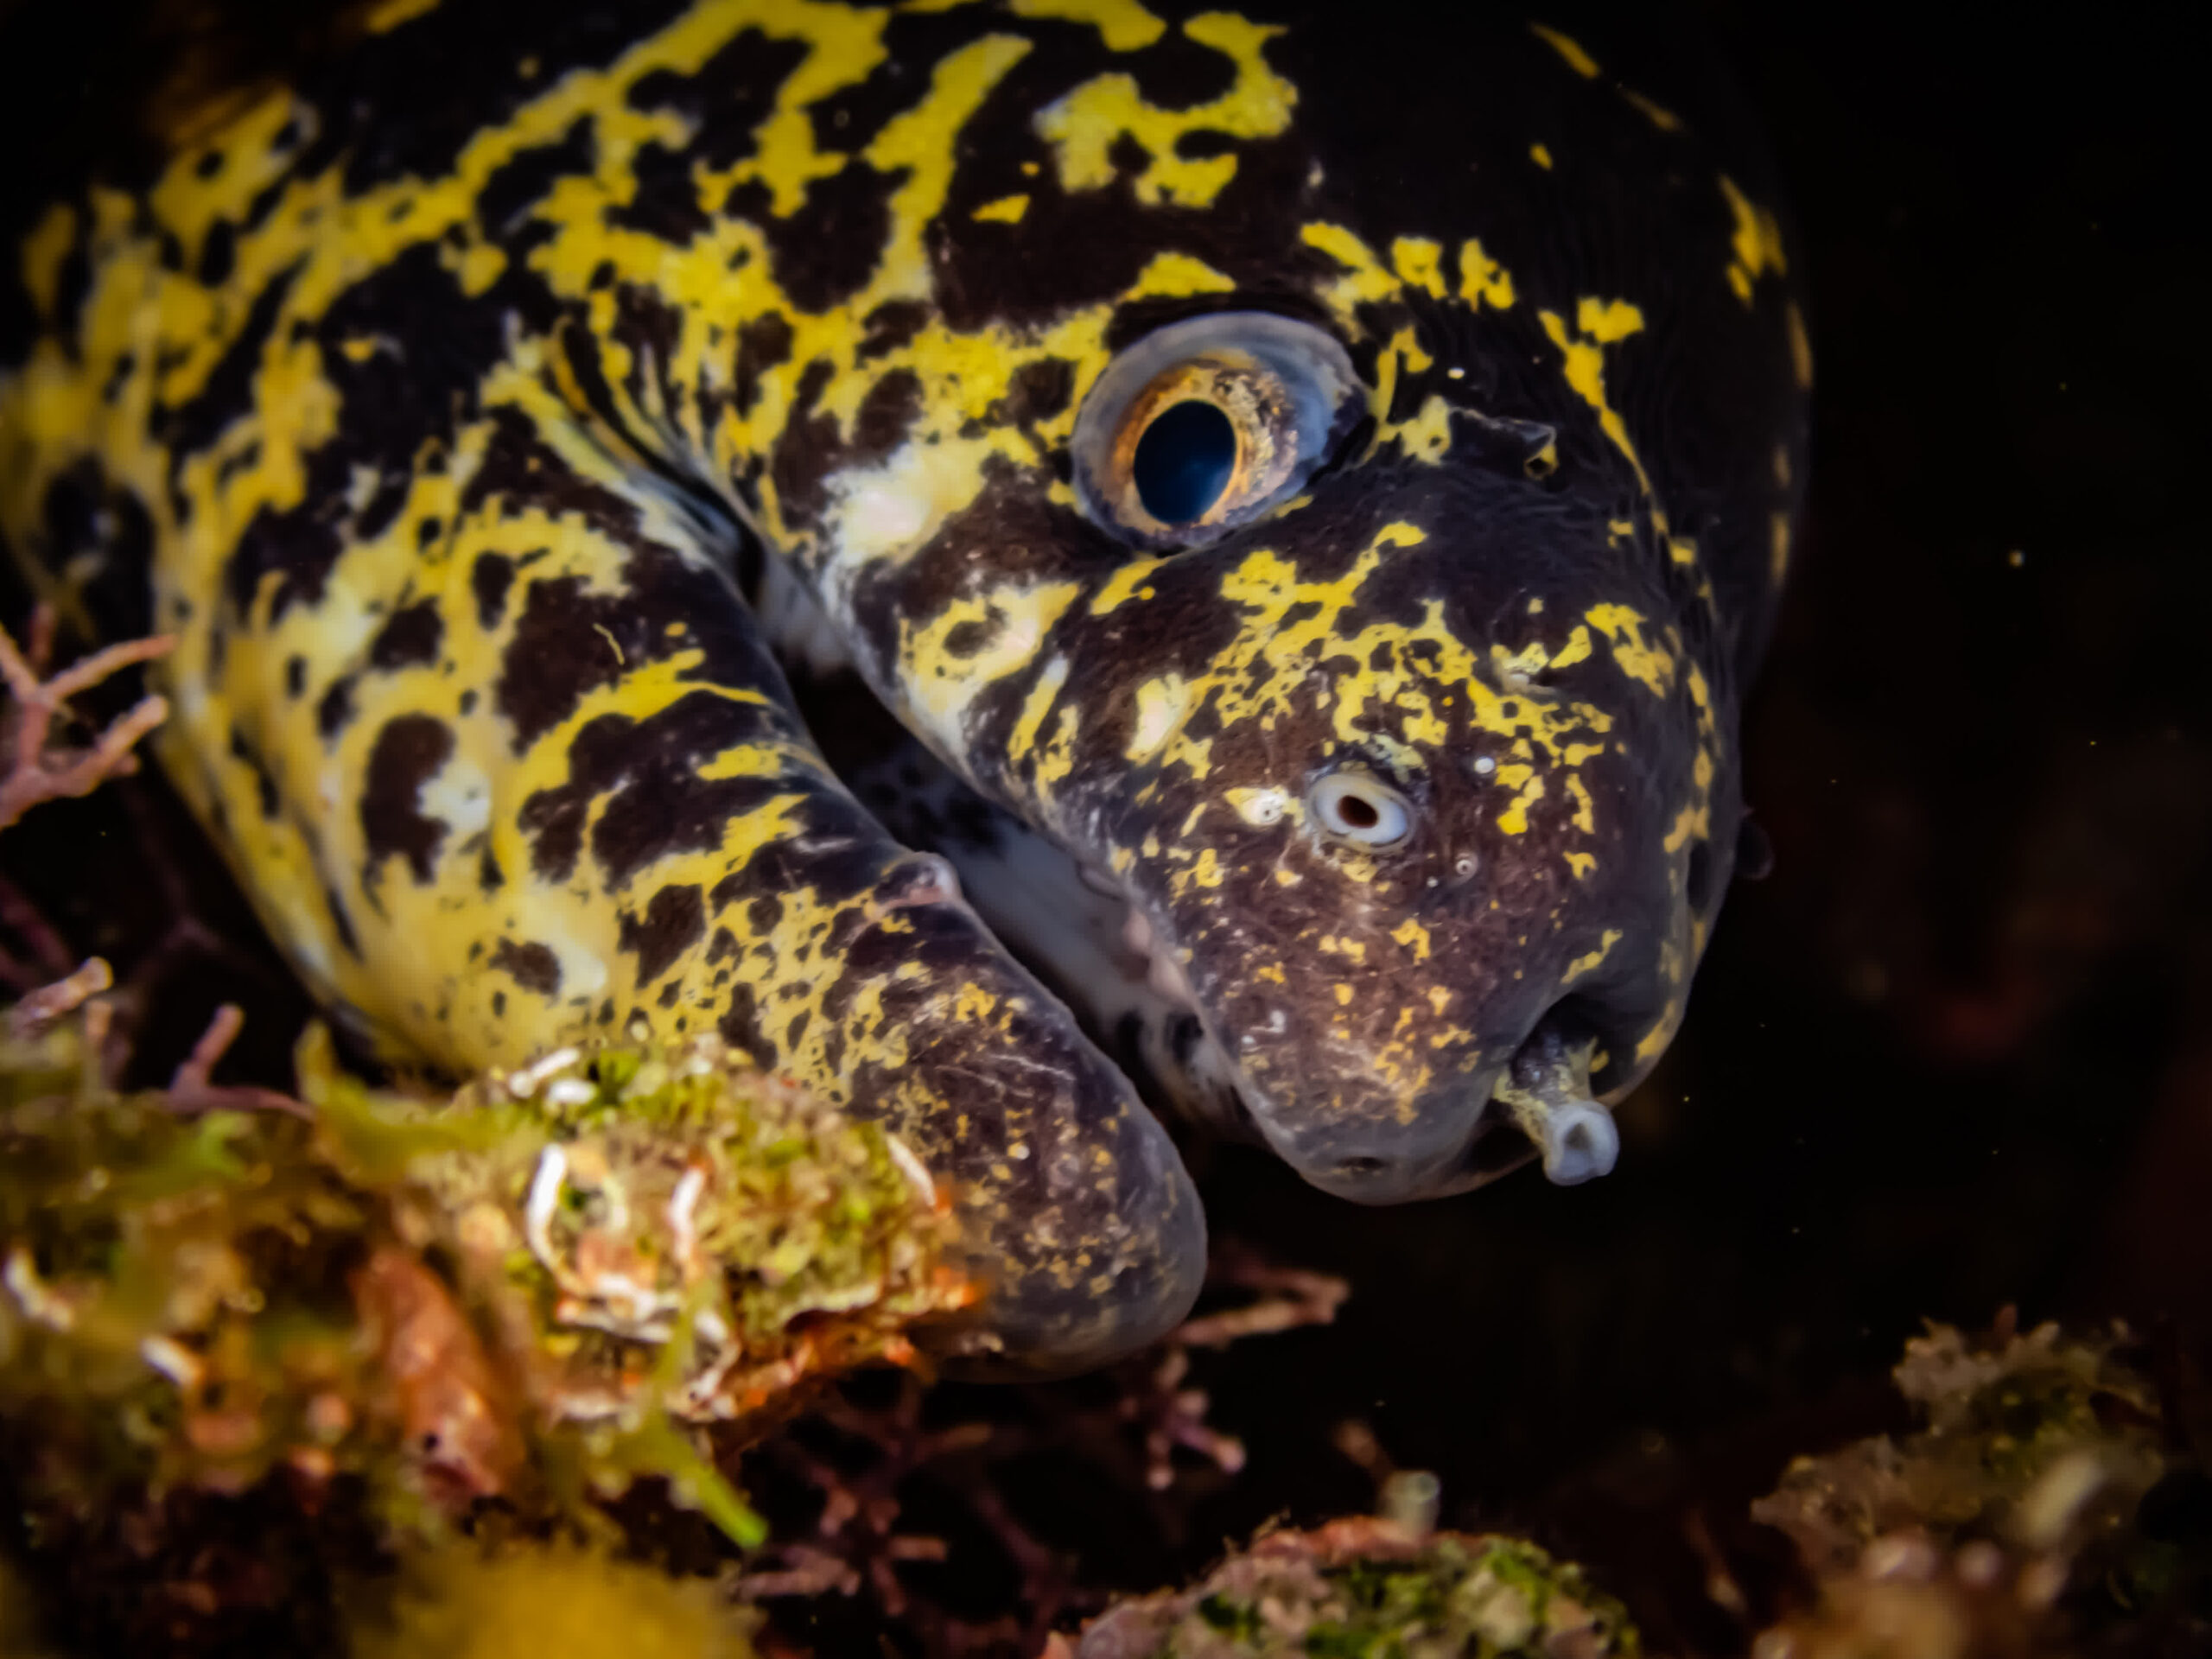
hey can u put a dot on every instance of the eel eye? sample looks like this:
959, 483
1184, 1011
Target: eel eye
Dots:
1210, 423
1359, 807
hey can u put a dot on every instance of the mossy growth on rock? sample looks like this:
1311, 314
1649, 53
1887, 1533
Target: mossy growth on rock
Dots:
1367, 1589
561, 1600
543, 1288
2049, 1503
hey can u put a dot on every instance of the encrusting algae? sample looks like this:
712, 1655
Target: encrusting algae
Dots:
2049, 1504
1369, 1589
542, 1290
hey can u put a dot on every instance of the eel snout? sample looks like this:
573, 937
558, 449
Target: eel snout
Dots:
1539, 1105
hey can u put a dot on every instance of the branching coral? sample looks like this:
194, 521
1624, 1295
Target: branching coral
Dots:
39, 767
1140, 1431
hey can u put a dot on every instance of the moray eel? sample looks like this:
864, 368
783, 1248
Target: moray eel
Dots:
1314, 491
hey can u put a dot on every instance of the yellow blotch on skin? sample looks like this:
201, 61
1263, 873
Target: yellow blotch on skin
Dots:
1514, 820
1007, 210
1608, 321
1801, 346
973, 1002
1580, 865
1654, 1042
1690, 821
1123, 25
942, 685
1426, 435
1161, 704
476, 269
1482, 279
1411, 934
1179, 274
1585, 811
1263, 808
1589, 964
1083, 125
1660, 117
1576, 650
1126, 584
921, 140
1420, 263
1623, 628
1036, 706
1057, 759
43, 251
1204, 873
391, 14
1577, 59
1414, 678
848, 46
1598, 324
1366, 276
1757, 244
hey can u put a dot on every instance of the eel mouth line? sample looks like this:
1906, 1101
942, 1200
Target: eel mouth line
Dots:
1539, 1106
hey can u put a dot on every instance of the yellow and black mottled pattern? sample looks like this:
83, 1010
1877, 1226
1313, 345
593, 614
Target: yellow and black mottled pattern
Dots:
441, 390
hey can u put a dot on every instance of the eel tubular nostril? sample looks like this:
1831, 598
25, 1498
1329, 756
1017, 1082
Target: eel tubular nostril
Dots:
1547, 1087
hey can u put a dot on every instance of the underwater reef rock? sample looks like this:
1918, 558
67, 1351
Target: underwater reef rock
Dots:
1362, 1587
540, 1291
2052, 1502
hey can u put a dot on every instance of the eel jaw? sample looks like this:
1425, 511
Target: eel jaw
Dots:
1540, 1107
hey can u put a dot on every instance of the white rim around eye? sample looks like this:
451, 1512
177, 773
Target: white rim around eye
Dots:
1358, 807
1284, 392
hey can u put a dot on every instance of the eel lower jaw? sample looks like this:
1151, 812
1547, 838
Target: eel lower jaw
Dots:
1540, 1107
